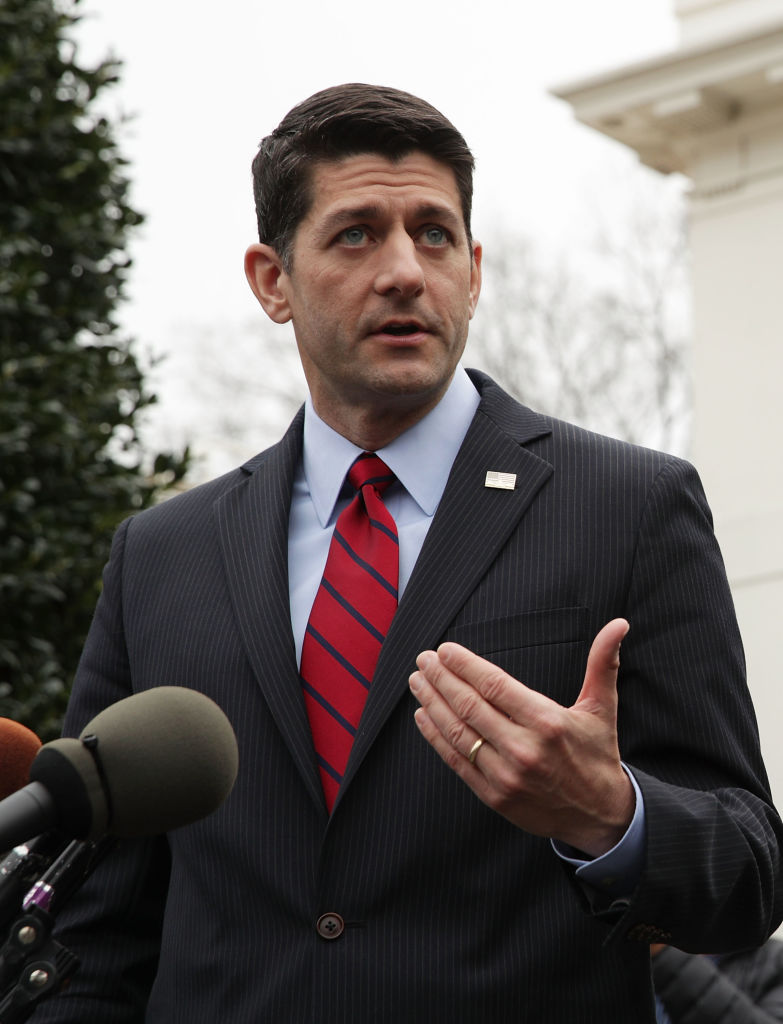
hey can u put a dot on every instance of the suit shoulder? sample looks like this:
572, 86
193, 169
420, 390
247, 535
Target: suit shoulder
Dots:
190, 508
554, 439
565, 435
186, 517
191, 502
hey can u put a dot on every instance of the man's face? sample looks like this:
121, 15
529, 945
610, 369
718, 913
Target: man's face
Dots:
381, 288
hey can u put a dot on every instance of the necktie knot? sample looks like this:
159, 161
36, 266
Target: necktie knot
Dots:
370, 469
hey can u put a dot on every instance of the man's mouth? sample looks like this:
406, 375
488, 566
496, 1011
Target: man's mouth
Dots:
401, 330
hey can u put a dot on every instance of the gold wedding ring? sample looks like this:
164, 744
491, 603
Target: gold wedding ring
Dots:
475, 749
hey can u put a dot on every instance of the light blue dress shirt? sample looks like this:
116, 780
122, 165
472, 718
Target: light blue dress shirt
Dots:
421, 458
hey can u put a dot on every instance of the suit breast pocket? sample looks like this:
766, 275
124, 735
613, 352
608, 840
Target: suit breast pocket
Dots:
544, 649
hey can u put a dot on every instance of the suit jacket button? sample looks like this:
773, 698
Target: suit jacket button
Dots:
330, 926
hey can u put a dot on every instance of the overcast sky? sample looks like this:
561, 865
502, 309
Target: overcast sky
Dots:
204, 82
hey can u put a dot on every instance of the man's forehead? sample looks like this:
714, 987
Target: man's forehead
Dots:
368, 179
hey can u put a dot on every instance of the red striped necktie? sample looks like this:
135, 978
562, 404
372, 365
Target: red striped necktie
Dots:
351, 614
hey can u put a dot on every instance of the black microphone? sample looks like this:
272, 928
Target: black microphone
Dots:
153, 762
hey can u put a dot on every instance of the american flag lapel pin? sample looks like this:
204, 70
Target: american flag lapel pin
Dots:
501, 481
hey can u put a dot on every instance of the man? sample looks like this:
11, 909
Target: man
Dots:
483, 830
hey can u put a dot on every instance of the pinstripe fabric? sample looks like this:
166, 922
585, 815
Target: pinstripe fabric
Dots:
452, 915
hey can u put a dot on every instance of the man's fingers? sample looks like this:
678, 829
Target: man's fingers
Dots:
452, 738
456, 665
438, 691
465, 698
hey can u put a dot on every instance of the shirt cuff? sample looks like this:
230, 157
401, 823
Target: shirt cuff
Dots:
616, 872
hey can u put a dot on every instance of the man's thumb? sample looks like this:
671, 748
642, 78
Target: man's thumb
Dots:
599, 690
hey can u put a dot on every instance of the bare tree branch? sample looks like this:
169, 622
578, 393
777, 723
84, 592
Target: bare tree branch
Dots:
601, 340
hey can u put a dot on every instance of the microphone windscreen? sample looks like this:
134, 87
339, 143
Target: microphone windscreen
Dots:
18, 747
68, 772
168, 756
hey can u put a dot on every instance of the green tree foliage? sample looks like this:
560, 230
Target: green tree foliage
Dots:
71, 391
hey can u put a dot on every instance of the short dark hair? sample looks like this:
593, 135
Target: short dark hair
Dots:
347, 120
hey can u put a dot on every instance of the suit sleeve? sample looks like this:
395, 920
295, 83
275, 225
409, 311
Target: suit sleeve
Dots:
687, 730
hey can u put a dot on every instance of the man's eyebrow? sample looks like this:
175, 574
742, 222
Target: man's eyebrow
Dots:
434, 211
346, 215
352, 214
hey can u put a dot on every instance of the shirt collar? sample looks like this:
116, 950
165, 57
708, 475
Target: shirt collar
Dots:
421, 457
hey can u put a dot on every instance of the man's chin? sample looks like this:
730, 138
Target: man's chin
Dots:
411, 387
413, 376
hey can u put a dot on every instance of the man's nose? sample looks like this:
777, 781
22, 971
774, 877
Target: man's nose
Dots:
399, 267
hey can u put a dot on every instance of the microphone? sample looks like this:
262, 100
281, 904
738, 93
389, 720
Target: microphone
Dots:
18, 747
19, 867
155, 761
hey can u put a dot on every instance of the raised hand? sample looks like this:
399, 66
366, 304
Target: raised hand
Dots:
551, 770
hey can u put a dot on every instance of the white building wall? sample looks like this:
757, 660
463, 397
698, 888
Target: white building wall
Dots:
713, 110
700, 20
737, 244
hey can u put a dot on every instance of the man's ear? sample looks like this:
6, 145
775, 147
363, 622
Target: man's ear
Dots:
263, 269
475, 277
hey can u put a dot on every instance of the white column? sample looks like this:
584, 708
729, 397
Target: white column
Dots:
713, 110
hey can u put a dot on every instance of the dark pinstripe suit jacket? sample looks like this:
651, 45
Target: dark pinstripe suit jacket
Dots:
452, 915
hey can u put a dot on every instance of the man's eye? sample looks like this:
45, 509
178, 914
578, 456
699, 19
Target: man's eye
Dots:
436, 236
353, 236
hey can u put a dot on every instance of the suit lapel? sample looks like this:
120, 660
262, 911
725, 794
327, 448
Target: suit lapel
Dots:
252, 522
471, 525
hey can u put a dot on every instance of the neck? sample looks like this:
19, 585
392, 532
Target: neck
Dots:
376, 428
371, 426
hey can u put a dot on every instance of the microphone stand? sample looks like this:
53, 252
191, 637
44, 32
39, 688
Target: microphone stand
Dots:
20, 868
32, 963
